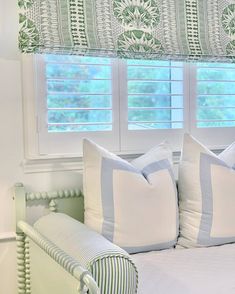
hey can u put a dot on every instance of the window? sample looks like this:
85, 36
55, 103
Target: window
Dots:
155, 95
76, 98
152, 105
130, 105
79, 94
215, 95
213, 103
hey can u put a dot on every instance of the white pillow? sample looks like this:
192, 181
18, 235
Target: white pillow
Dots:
206, 195
134, 205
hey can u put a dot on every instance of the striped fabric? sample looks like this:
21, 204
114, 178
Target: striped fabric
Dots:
151, 29
114, 274
111, 266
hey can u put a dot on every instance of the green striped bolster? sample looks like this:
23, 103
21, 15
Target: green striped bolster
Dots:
115, 274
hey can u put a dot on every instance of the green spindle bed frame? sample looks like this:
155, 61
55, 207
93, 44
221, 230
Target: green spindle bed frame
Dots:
28, 237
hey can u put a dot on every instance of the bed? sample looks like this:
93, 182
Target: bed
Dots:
51, 262
48, 263
187, 271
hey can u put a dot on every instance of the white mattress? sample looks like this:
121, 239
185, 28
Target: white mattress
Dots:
187, 271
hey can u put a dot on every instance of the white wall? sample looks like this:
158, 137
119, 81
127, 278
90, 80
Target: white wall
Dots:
12, 145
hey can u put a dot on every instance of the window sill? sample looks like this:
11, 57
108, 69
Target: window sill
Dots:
52, 165
39, 165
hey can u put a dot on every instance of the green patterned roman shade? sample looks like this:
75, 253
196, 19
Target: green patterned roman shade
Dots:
159, 29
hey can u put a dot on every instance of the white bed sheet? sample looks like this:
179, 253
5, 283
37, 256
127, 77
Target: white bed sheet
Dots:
187, 271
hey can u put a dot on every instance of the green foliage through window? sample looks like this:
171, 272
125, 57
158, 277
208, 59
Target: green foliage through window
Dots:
215, 95
155, 95
79, 93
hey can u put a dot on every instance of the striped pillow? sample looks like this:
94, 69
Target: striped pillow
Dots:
111, 267
134, 205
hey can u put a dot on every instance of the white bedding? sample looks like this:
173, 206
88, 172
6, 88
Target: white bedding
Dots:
187, 271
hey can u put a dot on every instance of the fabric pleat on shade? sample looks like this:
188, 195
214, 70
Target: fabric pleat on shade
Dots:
146, 29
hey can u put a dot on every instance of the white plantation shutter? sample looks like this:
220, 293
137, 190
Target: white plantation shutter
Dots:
214, 90
154, 92
215, 95
79, 93
79, 99
129, 106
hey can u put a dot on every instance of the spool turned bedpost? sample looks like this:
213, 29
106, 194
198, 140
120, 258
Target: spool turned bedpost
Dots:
23, 264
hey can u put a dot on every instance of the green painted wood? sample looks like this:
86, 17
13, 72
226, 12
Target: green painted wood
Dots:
20, 243
66, 201
20, 204
22, 259
64, 260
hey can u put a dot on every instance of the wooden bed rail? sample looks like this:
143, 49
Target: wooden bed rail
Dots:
64, 260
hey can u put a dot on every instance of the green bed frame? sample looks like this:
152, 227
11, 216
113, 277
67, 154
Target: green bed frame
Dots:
66, 268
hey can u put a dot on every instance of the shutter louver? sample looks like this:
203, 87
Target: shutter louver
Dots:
79, 93
155, 95
215, 95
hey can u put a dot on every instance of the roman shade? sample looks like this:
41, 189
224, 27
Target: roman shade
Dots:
149, 29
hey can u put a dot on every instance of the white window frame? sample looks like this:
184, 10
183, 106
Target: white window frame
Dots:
39, 144
65, 142
138, 141
30, 119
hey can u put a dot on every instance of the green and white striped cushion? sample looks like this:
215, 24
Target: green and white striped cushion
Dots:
111, 266
114, 274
